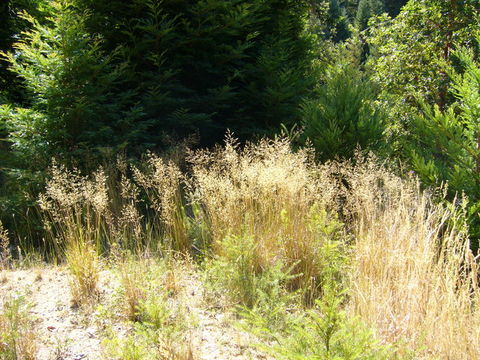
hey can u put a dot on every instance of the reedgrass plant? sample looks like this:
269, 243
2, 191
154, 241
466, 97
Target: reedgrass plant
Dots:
18, 340
75, 209
162, 182
413, 276
275, 197
134, 208
273, 224
5, 255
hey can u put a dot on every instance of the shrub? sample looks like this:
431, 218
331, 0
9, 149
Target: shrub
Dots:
323, 332
343, 115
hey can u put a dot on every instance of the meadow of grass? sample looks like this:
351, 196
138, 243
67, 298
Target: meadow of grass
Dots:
343, 260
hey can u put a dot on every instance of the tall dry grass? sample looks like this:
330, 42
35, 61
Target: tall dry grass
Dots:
266, 192
162, 182
413, 276
75, 209
5, 254
124, 207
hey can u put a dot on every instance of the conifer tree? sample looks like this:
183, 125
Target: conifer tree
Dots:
115, 74
367, 9
328, 20
343, 115
11, 27
444, 144
68, 80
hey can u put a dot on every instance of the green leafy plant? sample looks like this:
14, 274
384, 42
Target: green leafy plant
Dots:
235, 269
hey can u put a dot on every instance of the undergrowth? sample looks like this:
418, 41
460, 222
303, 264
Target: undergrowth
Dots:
159, 321
343, 260
18, 340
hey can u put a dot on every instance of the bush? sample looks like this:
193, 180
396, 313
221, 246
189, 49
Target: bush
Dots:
443, 143
343, 115
323, 332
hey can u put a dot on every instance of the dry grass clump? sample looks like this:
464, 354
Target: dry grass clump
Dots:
132, 278
272, 195
84, 266
413, 276
18, 340
75, 208
5, 255
162, 180
141, 277
123, 207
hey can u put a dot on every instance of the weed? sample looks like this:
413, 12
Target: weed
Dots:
61, 348
413, 276
159, 323
17, 335
83, 265
5, 255
132, 281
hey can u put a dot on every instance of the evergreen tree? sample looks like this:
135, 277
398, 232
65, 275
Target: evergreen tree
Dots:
122, 74
68, 80
343, 116
444, 144
367, 9
11, 26
330, 20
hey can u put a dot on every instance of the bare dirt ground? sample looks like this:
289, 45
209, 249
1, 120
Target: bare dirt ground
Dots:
65, 332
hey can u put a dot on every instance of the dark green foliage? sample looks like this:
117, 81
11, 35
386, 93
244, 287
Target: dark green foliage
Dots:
124, 74
444, 145
393, 7
338, 21
367, 9
210, 65
343, 115
11, 26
